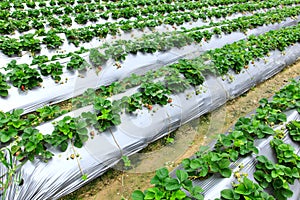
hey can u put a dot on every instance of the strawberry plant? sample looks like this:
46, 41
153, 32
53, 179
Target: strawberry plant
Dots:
91, 119
6, 27
246, 189
206, 163
29, 43
53, 69
266, 113
253, 128
294, 130
154, 93
81, 18
68, 130
47, 113
87, 98
53, 22
235, 144
11, 125
277, 176
31, 145
96, 57
133, 103
3, 86
288, 97
39, 59
77, 63
106, 117
174, 82
22, 76
166, 187
52, 40
10, 46
23, 25
191, 72
285, 154
30, 4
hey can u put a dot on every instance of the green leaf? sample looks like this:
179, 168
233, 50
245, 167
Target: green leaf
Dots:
225, 172
64, 146
162, 173
3, 93
195, 164
81, 125
5, 138
137, 195
172, 184
30, 146
181, 175
286, 193
227, 194
178, 195
82, 131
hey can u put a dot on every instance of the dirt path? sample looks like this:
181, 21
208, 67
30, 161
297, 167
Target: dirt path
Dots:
115, 184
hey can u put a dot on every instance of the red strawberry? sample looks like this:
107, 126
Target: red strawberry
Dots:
22, 87
170, 100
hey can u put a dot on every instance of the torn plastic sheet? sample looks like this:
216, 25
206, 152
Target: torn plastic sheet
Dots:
215, 184
62, 175
52, 93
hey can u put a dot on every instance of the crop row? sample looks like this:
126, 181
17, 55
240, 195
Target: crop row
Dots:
239, 143
107, 113
151, 43
94, 11
235, 56
88, 4
30, 42
27, 143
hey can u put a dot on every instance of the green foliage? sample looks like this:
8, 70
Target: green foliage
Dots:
235, 144
285, 153
106, 116
154, 93
53, 69
207, 163
166, 187
22, 76
190, 71
77, 63
11, 125
3, 86
52, 40
133, 102
31, 145
97, 58
68, 130
11, 46
29, 43
277, 176
175, 83
247, 190
253, 128
39, 59
268, 114
294, 130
